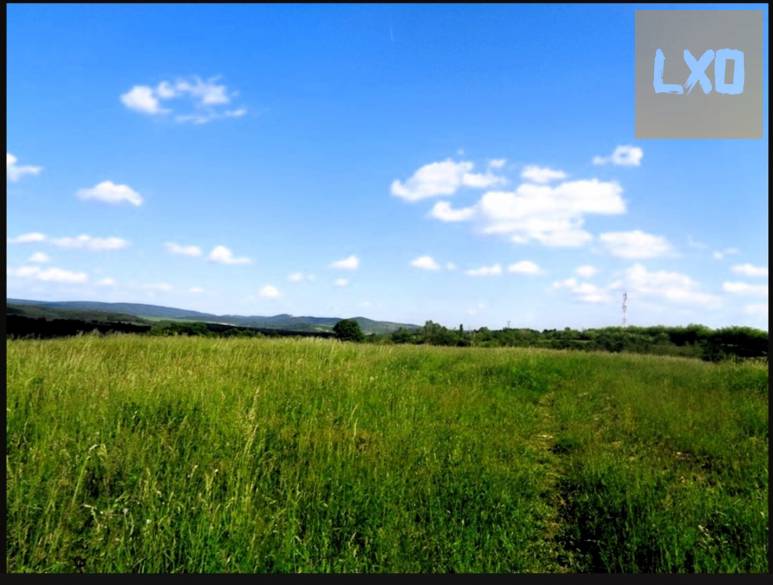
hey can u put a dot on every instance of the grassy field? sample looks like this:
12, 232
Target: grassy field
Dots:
134, 453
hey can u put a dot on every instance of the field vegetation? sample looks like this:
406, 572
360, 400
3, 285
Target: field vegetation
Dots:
138, 453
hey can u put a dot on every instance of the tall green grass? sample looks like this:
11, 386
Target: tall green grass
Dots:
132, 453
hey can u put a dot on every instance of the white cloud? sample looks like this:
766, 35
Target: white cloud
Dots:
425, 263
550, 215
635, 244
196, 290
341, 282
623, 156
300, 277
476, 309
141, 98
493, 270
28, 238
757, 310
585, 292
87, 242
450, 266
750, 270
542, 175
668, 286
57, 275
722, 254
39, 258
443, 211
223, 255
15, 172
497, 163
524, 267
107, 281
182, 250
586, 271
348, 263
442, 178
207, 100
269, 292
744, 288
109, 192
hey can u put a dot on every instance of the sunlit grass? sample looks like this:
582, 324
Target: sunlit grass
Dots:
130, 453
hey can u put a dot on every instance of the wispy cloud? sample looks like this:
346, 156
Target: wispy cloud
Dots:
349, 263
341, 282
443, 178
87, 242
542, 175
745, 288
52, 274
524, 267
750, 270
622, 156
206, 100
182, 250
493, 270
15, 172
635, 244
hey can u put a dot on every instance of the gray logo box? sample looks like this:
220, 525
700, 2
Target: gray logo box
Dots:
680, 57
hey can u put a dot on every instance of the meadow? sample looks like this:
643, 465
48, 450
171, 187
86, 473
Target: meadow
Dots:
187, 454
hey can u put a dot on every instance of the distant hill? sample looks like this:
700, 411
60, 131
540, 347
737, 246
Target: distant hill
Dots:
139, 313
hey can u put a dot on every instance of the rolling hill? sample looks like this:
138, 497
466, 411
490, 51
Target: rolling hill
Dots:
138, 312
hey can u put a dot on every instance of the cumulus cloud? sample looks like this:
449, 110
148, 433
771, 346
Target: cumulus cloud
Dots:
56, 275
425, 263
15, 172
341, 282
586, 271
524, 267
550, 215
585, 292
269, 292
750, 270
204, 100
541, 175
493, 270
622, 156
87, 242
443, 211
107, 281
667, 286
497, 163
635, 244
28, 238
442, 178
745, 288
722, 254
39, 258
223, 255
182, 250
109, 192
348, 263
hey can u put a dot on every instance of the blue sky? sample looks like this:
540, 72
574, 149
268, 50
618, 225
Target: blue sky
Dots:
478, 162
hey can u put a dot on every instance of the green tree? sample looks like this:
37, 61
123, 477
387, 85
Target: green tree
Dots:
348, 330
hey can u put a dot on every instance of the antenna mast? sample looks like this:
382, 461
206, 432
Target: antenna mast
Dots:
625, 308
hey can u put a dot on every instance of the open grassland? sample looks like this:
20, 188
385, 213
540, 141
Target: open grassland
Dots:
132, 453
